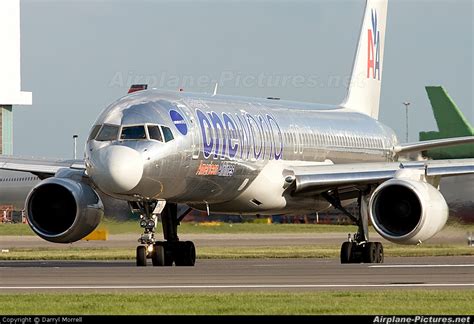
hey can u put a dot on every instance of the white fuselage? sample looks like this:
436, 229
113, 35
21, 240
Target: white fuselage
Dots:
226, 151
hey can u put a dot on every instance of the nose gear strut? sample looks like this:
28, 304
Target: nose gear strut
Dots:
169, 251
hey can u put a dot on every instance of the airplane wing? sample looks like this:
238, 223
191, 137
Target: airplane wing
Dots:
43, 168
321, 178
426, 145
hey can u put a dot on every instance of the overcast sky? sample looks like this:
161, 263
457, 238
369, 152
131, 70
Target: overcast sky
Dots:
79, 56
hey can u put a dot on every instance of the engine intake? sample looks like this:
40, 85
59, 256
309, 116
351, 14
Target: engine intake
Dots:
63, 210
407, 211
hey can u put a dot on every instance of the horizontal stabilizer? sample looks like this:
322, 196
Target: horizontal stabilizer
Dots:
426, 145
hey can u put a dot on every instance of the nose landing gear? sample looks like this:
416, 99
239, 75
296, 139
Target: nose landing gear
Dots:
162, 253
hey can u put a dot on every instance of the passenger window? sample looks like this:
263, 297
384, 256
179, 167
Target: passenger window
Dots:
155, 133
168, 135
133, 133
108, 133
94, 132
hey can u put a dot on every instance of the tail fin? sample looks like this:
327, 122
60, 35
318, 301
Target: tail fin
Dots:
451, 122
364, 88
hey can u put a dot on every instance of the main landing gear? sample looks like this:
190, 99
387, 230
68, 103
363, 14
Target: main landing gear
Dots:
162, 253
357, 249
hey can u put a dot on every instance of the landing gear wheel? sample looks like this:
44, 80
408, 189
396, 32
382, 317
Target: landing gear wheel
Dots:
158, 256
370, 253
172, 250
357, 249
141, 256
346, 252
185, 254
169, 257
373, 252
167, 251
380, 255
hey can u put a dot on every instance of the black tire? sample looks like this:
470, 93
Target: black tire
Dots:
169, 255
185, 254
379, 252
346, 252
168, 252
370, 252
141, 256
158, 255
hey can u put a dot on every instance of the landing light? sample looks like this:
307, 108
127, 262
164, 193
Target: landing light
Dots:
150, 248
150, 224
143, 223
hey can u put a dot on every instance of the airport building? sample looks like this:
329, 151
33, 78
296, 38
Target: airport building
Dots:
10, 75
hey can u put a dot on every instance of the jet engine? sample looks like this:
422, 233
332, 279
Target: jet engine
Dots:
407, 211
63, 210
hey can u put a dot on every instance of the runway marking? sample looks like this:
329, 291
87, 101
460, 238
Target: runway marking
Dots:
421, 265
242, 286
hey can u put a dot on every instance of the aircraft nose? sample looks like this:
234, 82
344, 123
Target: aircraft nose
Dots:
117, 169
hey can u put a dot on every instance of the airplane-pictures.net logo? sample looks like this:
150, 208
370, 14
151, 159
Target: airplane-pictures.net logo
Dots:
373, 49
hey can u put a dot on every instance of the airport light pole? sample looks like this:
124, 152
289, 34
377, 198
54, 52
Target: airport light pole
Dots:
406, 103
74, 137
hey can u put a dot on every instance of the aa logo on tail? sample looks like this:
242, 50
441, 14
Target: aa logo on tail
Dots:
373, 50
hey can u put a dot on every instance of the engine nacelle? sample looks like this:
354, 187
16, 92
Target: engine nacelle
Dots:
407, 211
63, 210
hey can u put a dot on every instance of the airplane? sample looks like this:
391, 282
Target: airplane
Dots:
451, 123
15, 186
458, 191
236, 155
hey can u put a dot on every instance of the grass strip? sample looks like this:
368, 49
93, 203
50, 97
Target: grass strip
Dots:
406, 302
221, 228
330, 251
201, 228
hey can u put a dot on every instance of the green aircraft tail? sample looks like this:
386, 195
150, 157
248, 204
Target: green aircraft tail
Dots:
451, 123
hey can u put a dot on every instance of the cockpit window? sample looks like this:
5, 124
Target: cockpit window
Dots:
133, 133
155, 133
167, 133
108, 133
94, 132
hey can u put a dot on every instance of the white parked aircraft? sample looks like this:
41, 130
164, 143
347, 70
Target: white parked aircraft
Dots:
157, 149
